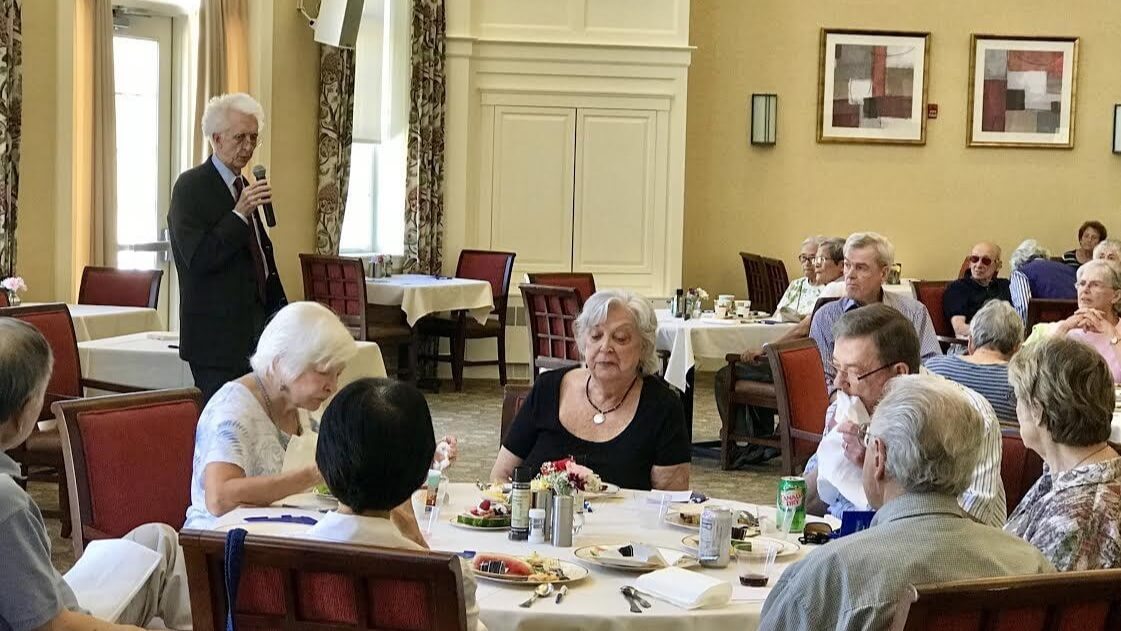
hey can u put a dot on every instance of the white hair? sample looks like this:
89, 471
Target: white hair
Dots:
595, 311
1107, 245
300, 337
815, 240
1027, 252
932, 433
885, 251
997, 324
1111, 271
216, 117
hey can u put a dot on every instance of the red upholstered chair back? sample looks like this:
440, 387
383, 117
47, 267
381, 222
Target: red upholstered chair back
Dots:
758, 282
1020, 467
128, 460
1066, 601
338, 283
801, 396
513, 396
582, 282
929, 293
1048, 310
550, 313
303, 585
964, 269
119, 287
493, 267
53, 321
4, 299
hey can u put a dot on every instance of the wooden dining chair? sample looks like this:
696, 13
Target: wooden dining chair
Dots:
4, 299
128, 460
1064, 601
339, 283
930, 293
120, 287
777, 281
296, 584
743, 393
495, 268
513, 396
584, 283
1020, 467
40, 457
550, 314
1047, 310
758, 282
802, 400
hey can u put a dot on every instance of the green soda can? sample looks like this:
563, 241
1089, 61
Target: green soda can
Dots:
791, 499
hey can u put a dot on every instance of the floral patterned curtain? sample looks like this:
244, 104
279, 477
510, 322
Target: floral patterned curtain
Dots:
11, 98
424, 210
336, 126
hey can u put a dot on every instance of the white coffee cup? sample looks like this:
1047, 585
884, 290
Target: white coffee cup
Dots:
721, 311
743, 308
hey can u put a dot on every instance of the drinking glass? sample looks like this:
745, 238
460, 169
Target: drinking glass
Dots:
755, 562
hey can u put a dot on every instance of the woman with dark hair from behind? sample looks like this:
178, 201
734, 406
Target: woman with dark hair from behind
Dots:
375, 447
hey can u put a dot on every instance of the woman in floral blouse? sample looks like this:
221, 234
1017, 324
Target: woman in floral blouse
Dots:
1065, 400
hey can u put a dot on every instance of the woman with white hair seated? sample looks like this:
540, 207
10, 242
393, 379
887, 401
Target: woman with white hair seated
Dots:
1065, 403
245, 429
1034, 275
614, 414
995, 334
1096, 322
1110, 250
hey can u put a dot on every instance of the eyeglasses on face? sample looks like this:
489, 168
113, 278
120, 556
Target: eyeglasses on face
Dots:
854, 378
1092, 285
983, 260
804, 258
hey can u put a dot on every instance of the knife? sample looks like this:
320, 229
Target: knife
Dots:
561, 593
634, 605
633, 593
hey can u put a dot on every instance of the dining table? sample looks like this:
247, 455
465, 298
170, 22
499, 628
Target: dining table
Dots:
593, 602
418, 295
151, 360
95, 322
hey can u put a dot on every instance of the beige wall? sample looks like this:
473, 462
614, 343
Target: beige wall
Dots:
931, 200
291, 101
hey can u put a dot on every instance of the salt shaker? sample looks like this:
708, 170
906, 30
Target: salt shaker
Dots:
537, 525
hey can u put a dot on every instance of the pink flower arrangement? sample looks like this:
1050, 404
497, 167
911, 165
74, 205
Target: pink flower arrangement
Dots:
13, 284
564, 476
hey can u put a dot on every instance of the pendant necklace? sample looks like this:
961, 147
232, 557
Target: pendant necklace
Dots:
601, 415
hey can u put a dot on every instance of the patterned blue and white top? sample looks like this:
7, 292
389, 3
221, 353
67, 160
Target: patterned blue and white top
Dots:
235, 428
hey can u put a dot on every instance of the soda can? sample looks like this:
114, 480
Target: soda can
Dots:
791, 498
715, 546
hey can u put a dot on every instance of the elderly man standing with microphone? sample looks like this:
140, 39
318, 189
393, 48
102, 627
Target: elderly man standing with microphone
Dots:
223, 255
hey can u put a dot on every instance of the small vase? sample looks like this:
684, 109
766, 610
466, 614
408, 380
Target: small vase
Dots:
14, 299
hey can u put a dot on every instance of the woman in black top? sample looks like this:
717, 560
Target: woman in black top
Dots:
613, 415
1090, 234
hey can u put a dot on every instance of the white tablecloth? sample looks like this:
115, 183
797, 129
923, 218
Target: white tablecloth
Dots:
151, 360
94, 322
593, 603
904, 287
692, 340
419, 295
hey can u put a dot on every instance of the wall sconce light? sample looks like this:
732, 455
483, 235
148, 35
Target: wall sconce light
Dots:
1117, 128
764, 119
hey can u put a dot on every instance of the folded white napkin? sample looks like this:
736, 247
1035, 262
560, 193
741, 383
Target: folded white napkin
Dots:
109, 574
685, 589
644, 555
837, 476
300, 452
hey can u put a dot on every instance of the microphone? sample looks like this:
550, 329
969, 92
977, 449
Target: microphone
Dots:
270, 216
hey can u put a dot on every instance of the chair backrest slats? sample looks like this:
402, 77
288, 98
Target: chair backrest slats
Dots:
583, 282
119, 287
302, 585
550, 314
338, 283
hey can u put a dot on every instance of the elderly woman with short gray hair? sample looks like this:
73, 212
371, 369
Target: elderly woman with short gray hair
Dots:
1065, 406
613, 414
1096, 320
995, 334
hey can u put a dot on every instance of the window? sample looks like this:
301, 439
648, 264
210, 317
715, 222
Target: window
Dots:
374, 221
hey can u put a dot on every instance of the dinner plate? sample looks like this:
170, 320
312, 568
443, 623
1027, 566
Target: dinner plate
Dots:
572, 573
692, 542
459, 524
609, 490
673, 518
590, 554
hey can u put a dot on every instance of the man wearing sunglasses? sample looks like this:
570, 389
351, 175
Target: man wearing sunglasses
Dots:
922, 447
965, 296
875, 344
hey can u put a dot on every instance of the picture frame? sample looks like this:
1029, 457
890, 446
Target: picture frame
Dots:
1117, 128
1022, 91
872, 86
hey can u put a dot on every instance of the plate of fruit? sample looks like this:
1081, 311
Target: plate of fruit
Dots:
486, 515
530, 570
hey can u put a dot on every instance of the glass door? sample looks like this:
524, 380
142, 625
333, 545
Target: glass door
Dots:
142, 60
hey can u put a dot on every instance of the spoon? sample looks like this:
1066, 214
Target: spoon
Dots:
542, 591
633, 593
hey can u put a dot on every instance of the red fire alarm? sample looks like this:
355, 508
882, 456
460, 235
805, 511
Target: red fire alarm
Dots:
932, 110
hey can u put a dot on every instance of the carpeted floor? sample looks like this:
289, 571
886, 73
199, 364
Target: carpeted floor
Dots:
473, 415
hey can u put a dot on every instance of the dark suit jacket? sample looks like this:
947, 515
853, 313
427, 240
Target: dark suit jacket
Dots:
221, 314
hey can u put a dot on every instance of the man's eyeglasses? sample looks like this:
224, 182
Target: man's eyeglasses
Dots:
254, 140
983, 260
1089, 284
854, 378
865, 436
802, 258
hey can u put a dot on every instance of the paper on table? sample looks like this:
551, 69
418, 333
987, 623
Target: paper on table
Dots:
109, 574
685, 589
676, 497
644, 555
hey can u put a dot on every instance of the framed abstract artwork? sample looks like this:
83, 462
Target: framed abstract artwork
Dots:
872, 86
1022, 91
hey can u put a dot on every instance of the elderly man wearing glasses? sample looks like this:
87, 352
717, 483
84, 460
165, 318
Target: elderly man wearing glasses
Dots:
965, 296
874, 345
921, 451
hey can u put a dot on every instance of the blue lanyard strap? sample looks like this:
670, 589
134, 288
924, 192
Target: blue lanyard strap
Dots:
235, 552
